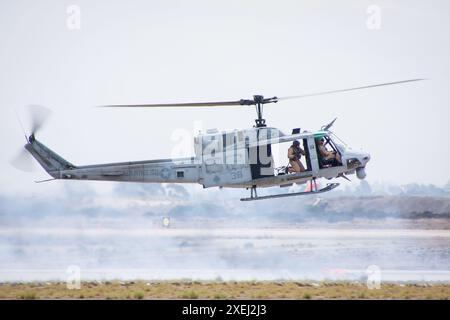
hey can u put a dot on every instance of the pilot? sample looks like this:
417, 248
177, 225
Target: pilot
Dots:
294, 155
328, 157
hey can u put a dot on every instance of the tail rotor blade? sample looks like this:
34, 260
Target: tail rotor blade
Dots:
23, 161
38, 116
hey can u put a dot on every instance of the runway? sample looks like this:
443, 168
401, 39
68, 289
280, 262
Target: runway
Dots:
34, 254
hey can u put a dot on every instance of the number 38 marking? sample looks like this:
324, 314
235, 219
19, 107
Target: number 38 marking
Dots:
236, 175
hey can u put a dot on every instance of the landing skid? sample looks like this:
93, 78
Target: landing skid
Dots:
329, 187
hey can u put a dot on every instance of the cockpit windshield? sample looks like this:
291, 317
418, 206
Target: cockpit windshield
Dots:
338, 141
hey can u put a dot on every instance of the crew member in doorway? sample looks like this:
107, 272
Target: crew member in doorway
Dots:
294, 155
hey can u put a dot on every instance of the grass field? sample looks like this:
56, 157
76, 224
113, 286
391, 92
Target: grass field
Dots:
222, 290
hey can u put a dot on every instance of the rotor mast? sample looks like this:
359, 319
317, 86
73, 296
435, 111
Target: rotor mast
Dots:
259, 101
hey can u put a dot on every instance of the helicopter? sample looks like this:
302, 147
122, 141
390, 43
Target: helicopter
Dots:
228, 159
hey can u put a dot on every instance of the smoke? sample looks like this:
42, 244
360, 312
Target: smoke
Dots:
211, 234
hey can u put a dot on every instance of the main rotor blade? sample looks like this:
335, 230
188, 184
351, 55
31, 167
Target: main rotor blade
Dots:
193, 104
245, 102
349, 89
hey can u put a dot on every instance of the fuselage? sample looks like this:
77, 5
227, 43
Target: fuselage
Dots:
235, 159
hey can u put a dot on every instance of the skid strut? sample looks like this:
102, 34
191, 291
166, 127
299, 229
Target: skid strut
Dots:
253, 193
311, 184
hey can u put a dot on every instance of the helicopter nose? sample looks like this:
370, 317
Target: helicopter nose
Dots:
361, 171
366, 158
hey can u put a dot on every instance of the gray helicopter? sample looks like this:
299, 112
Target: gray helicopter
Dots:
229, 159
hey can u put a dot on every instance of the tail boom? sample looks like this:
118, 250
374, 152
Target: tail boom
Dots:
182, 170
49, 160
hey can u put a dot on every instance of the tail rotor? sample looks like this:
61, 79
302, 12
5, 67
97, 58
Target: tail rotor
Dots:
37, 116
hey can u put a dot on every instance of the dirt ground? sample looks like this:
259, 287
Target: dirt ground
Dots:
223, 290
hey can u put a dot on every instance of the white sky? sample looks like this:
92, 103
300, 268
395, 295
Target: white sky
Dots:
173, 51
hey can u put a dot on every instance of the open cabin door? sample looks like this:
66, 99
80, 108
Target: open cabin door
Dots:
261, 164
260, 157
